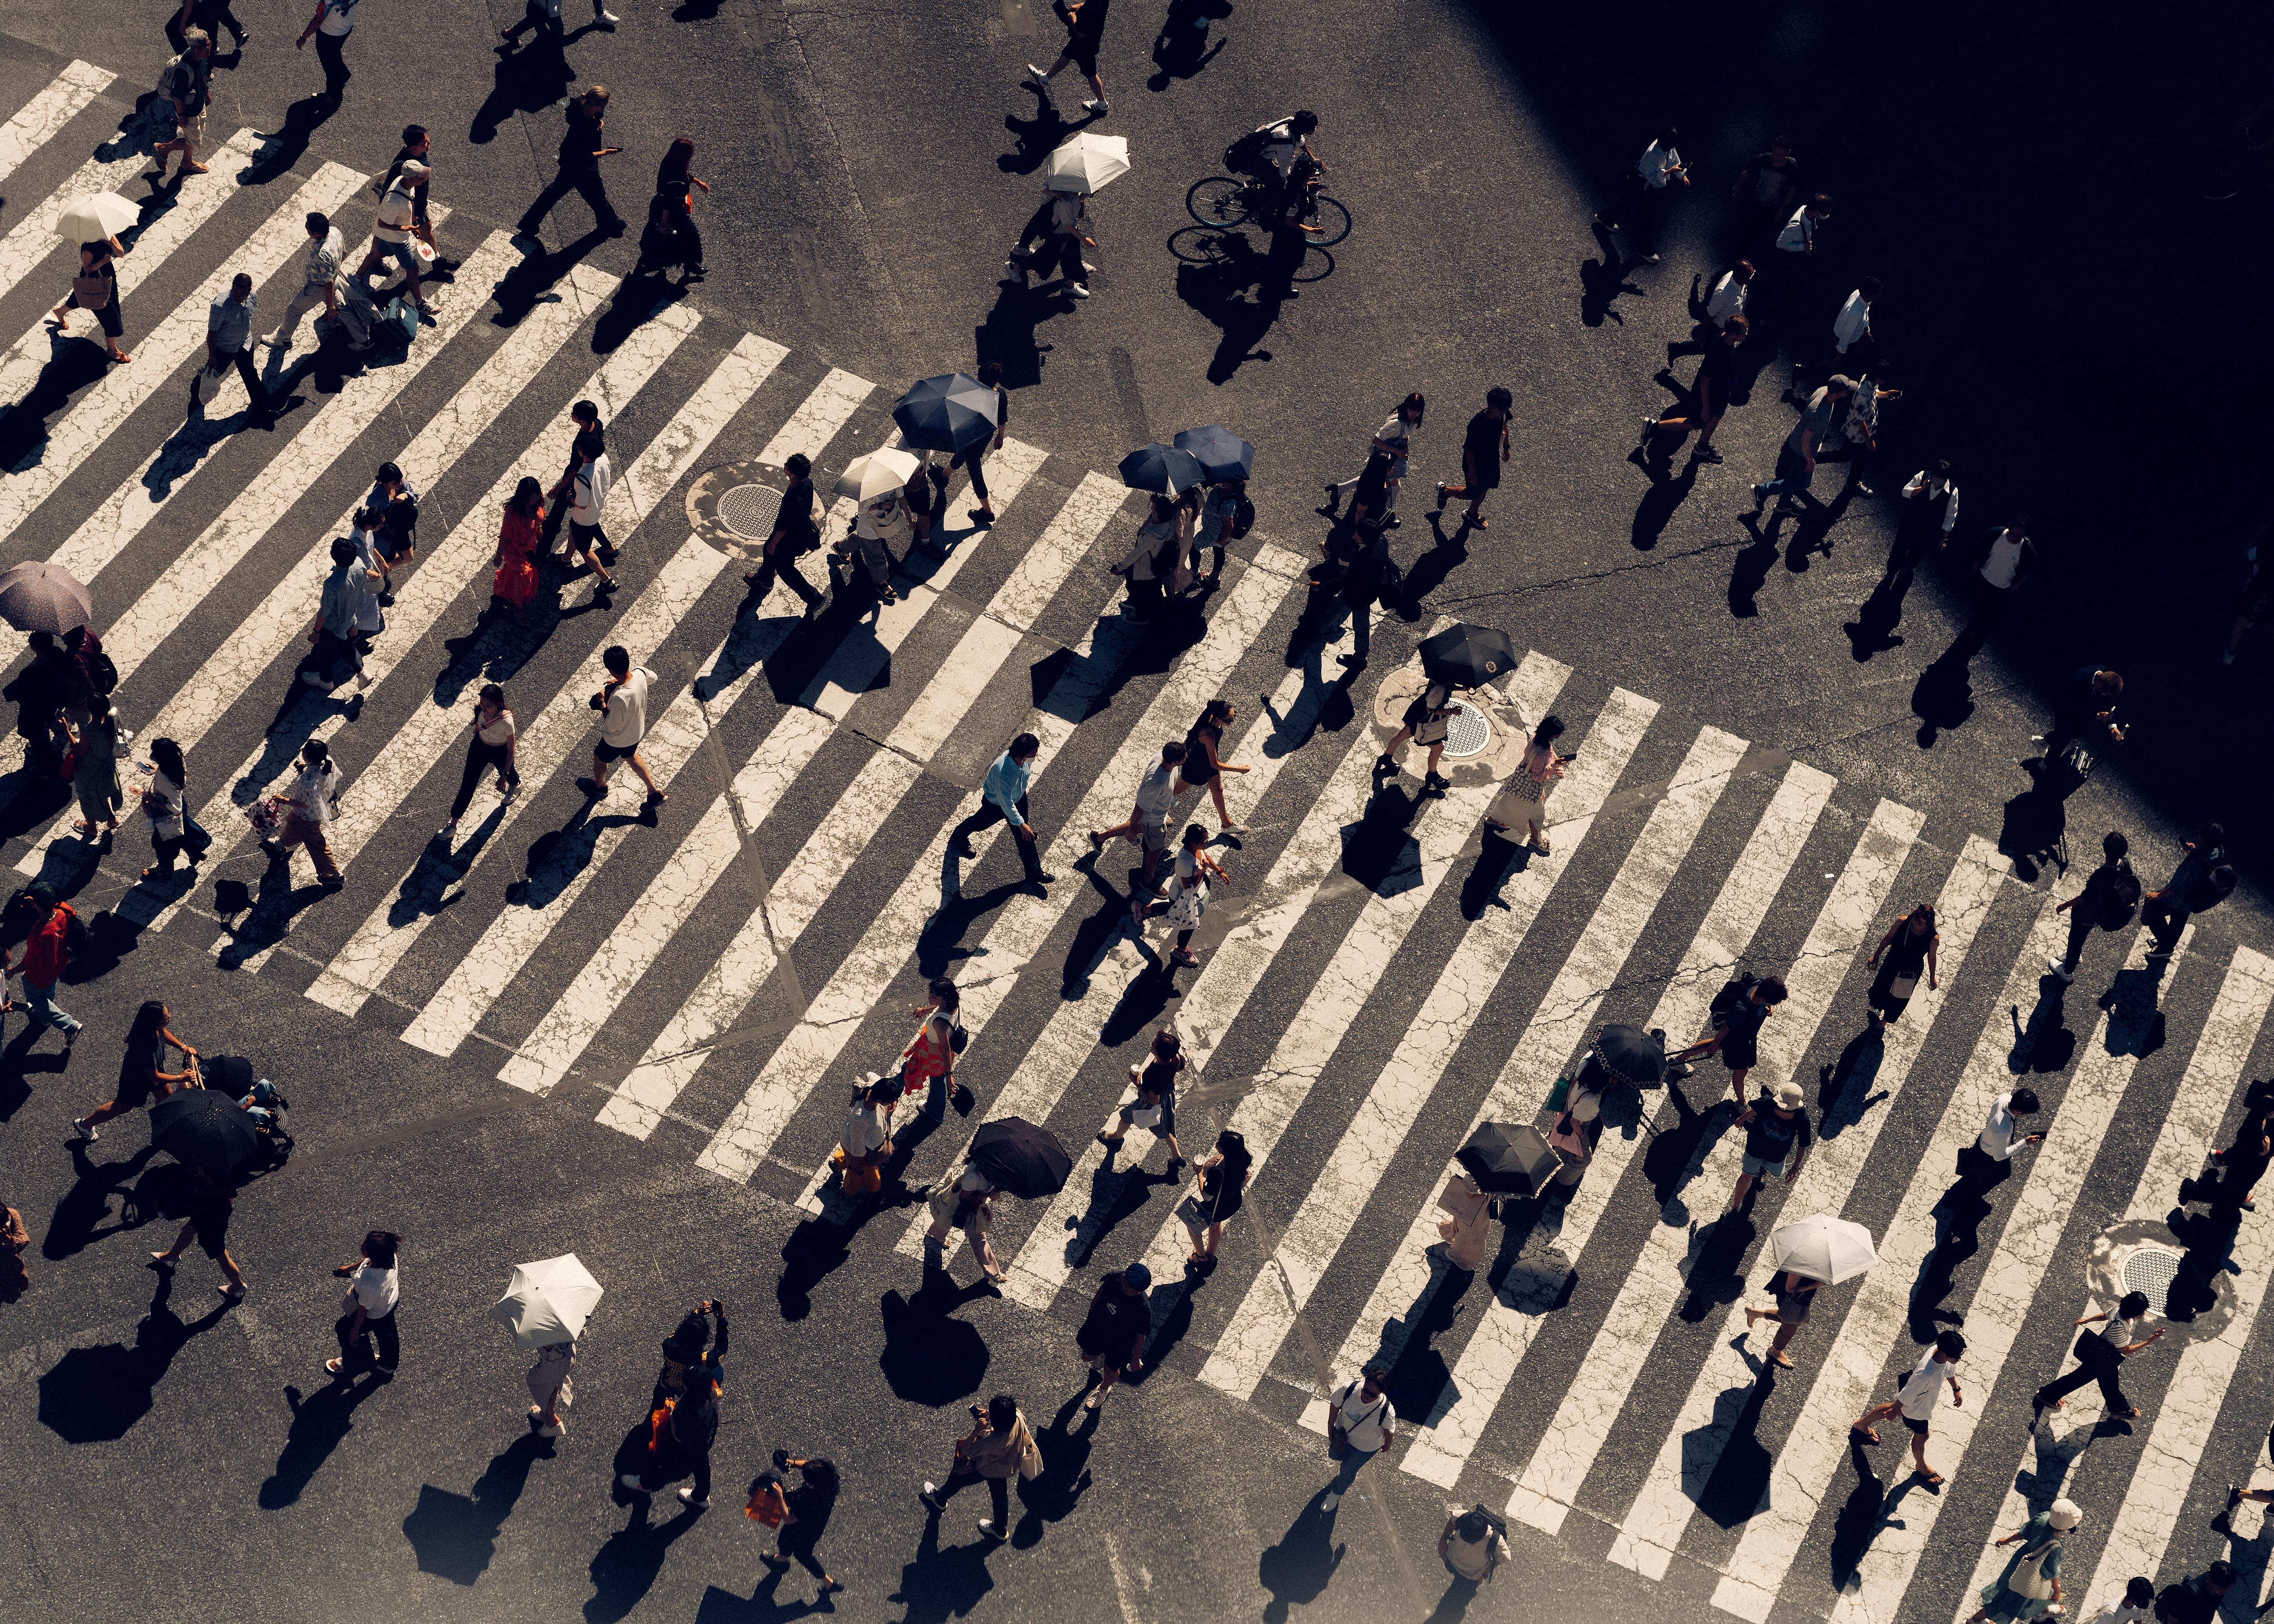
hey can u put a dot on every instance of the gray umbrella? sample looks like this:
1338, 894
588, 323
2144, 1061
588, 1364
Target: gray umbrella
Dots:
42, 598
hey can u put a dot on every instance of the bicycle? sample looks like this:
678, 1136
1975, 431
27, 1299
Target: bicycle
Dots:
1232, 201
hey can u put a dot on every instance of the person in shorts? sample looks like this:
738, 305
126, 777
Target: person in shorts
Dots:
1428, 722
1085, 26
1736, 1034
1792, 1291
1155, 1078
1485, 446
1149, 823
206, 1219
622, 704
183, 85
1777, 1138
98, 260
1915, 1400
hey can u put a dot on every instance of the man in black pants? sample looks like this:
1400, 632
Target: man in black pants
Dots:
229, 342
794, 534
2099, 1355
973, 456
1085, 26
583, 145
2107, 901
334, 21
1366, 552
2201, 881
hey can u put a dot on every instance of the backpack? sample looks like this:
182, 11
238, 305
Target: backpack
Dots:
2123, 896
1734, 992
1242, 520
78, 939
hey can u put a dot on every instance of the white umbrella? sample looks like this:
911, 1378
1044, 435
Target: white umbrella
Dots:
1824, 1248
873, 475
547, 1301
1087, 162
96, 216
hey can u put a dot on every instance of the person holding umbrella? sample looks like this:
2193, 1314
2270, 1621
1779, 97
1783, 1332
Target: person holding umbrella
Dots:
373, 1289
1810, 1253
1792, 1289
95, 288
1468, 1223
546, 1305
142, 1073
1427, 721
1227, 461
206, 1219
973, 457
879, 482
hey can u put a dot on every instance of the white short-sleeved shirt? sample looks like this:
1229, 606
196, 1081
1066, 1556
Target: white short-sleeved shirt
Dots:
883, 518
1157, 795
593, 480
497, 732
339, 17
1398, 432
321, 269
1923, 1387
1657, 165
376, 1289
1728, 299
864, 1131
312, 792
398, 211
1799, 232
1366, 1420
625, 722
1853, 321
2005, 559
2001, 1135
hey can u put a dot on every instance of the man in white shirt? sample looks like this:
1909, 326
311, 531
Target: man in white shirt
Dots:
1656, 171
1394, 441
1853, 325
1150, 821
334, 21
308, 813
622, 704
1915, 1399
1363, 1414
229, 342
397, 235
589, 493
1999, 1139
321, 285
1795, 245
1930, 513
1730, 294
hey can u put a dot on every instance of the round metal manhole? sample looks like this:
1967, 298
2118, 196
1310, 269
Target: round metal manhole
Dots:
2151, 1270
748, 510
1469, 734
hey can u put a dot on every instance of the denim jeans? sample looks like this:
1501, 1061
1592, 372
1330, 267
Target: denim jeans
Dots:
1793, 475
1347, 1471
40, 1003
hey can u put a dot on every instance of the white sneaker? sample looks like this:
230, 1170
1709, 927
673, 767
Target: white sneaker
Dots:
277, 342
687, 1497
1078, 290
2054, 965
85, 1134
1330, 1502
1100, 106
607, 20
1038, 75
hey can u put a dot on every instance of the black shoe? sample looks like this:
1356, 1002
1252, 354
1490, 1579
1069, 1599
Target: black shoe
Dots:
1391, 523
387, 600
1434, 787
592, 788
1044, 879
274, 852
1705, 454
962, 848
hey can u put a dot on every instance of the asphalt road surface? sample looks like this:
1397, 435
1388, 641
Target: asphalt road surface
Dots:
628, 1034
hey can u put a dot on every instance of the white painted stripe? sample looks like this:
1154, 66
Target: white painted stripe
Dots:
2041, 1209
58, 102
1659, 1277
793, 1070
1055, 1058
1519, 1093
638, 1103
921, 578
1027, 921
32, 241
654, 471
433, 585
1668, 1496
1560, 1027
627, 951
100, 412
1094, 505
2149, 1508
31, 355
1281, 1290
1718, 947
819, 417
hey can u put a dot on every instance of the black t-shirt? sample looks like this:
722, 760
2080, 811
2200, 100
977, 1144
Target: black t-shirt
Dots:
581, 139
1767, 178
797, 519
2102, 901
1088, 22
1718, 370
1769, 1137
1481, 444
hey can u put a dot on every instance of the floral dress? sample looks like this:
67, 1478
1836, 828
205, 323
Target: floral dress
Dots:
516, 582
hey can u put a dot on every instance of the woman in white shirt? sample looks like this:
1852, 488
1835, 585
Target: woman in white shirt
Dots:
369, 1308
1163, 541
163, 803
492, 746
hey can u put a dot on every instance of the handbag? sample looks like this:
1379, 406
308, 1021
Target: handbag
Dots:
1145, 1116
2029, 1578
768, 1506
207, 385
92, 292
1559, 1095
1902, 986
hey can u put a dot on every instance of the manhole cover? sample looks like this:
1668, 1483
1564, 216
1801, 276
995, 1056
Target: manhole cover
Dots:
748, 510
2151, 1270
1469, 734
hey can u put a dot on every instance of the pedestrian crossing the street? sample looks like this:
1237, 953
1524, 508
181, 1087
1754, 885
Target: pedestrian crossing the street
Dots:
1379, 978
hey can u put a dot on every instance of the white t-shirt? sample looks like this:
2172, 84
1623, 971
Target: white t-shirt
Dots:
1853, 321
167, 826
1799, 233
339, 17
497, 732
311, 793
1657, 165
593, 480
1924, 1386
625, 722
1157, 795
1728, 299
397, 210
1998, 1140
375, 1288
864, 1131
1364, 1419
1398, 432
883, 518
2005, 559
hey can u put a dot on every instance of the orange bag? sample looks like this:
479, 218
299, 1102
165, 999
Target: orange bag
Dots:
769, 1505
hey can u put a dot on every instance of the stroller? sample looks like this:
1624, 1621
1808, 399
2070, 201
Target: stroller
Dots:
263, 1101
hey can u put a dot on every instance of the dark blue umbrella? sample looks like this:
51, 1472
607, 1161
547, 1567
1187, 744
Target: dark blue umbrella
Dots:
1220, 451
947, 413
1161, 468
199, 1127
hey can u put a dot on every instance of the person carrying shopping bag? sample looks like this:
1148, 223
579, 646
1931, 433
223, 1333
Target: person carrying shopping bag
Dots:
999, 1443
2031, 1586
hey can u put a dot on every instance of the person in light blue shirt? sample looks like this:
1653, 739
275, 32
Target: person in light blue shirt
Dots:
1003, 800
229, 342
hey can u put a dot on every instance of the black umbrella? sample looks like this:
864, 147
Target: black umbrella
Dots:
1221, 453
1467, 656
1162, 469
946, 413
199, 1127
1021, 1159
1632, 1055
1507, 1158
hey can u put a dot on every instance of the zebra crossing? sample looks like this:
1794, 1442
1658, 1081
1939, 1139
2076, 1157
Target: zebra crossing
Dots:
710, 979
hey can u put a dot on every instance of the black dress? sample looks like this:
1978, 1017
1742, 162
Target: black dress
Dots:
1197, 769
1219, 1197
1906, 960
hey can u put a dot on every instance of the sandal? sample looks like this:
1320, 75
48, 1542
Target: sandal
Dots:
1933, 1479
1868, 1433
1782, 1361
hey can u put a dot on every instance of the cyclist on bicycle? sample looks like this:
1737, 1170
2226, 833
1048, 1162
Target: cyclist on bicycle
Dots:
1283, 138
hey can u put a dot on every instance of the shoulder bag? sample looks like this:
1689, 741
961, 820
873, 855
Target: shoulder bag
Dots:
92, 289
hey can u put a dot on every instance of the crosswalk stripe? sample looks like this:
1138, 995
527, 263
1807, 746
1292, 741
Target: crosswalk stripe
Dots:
30, 356
97, 413
794, 1070
825, 410
921, 579
1720, 945
57, 104
639, 1098
1027, 920
2025, 1254
655, 470
136, 631
32, 241
2148, 1510
1559, 1028
1303, 1253
1055, 1058
432, 588
398, 766
1662, 1509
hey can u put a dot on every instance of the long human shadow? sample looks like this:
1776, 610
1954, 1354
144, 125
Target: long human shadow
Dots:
1239, 291
1668, 492
1065, 1478
624, 1570
556, 857
283, 148
526, 81
1737, 1486
96, 1395
1750, 566
1298, 1569
1602, 283
455, 1535
1116, 1193
322, 1422
1182, 48
1034, 139
1448, 552
942, 1584
1872, 631
1862, 1517
78, 1220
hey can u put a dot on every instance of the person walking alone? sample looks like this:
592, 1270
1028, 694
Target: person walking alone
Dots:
165, 802
521, 537
1909, 948
1155, 1107
999, 1444
1777, 1140
1085, 26
1150, 820
1115, 1331
1645, 208
205, 1219
94, 773
543, 17
142, 1073
1361, 1423
367, 1316
2201, 881
2101, 1354
1485, 446
96, 289
1915, 1401
229, 342
309, 808
804, 1512
1428, 722
334, 21
2106, 902
1394, 441
1524, 797
1002, 800
589, 491
1203, 767
582, 144
492, 747
183, 84
622, 704
1738, 1013
1187, 895
795, 534
1769, 187
397, 234
47, 955
2030, 1587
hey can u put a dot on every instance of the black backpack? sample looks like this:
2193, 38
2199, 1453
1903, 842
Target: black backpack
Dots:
1733, 993
102, 672
2123, 896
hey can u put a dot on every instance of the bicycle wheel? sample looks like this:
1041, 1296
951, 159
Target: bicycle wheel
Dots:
1335, 218
1219, 200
